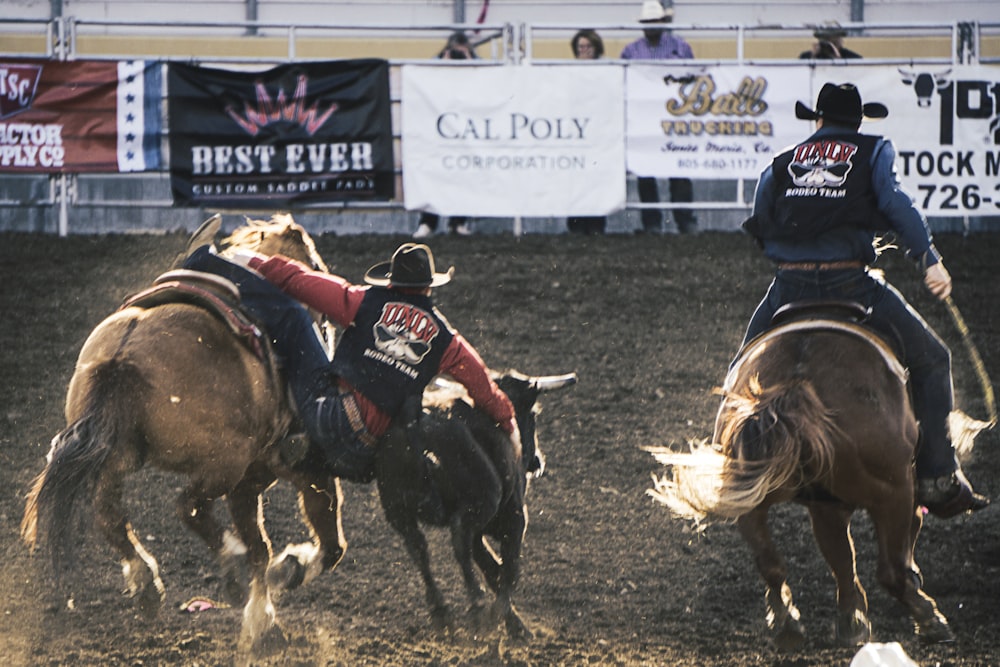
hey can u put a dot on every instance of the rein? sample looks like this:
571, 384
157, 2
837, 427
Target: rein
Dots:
977, 361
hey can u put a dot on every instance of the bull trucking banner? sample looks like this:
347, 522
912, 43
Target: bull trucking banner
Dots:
513, 141
945, 123
298, 134
711, 122
79, 116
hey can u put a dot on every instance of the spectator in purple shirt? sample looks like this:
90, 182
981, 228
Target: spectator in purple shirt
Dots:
658, 43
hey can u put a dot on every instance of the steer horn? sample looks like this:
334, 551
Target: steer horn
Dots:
553, 382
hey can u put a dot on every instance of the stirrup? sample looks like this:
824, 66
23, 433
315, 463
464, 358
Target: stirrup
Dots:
949, 495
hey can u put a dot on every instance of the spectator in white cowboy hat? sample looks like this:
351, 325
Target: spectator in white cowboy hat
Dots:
659, 43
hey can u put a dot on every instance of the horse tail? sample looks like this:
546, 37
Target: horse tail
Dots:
62, 493
776, 438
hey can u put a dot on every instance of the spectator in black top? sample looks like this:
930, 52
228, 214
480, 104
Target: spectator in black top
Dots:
829, 44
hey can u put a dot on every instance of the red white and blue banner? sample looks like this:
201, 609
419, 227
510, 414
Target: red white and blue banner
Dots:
727, 122
513, 141
80, 116
298, 134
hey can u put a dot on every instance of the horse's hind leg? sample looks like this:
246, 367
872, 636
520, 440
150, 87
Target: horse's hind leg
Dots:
260, 632
194, 506
897, 525
142, 574
782, 615
831, 524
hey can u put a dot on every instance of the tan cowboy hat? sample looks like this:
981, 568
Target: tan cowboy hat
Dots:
412, 265
654, 12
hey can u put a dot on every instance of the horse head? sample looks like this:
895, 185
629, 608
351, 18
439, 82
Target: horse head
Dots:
281, 235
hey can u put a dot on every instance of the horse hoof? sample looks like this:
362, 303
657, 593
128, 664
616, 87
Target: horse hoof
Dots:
149, 600
285, 574
791, 637
516, 629
272, 642
234, 591
935, 633
441, 620
853, 630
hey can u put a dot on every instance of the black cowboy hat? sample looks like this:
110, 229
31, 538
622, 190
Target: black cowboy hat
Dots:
841, 104
412, 265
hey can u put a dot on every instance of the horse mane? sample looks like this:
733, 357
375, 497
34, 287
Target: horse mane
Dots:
253, 233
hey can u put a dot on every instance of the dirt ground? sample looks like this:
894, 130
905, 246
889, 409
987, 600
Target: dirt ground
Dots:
610, 578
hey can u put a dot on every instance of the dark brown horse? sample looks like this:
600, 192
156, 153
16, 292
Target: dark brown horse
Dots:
814, 412
167, 383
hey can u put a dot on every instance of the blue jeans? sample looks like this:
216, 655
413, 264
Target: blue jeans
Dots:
303, 361
925, 356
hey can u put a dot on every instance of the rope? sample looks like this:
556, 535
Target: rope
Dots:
977, 361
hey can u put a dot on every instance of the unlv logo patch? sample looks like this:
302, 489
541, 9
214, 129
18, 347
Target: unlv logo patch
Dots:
405, 332
822, 164
17, 87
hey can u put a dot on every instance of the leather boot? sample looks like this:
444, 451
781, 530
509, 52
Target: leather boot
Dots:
949, 495
204, 235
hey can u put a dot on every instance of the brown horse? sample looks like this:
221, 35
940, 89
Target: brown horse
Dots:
168, 384
815, 412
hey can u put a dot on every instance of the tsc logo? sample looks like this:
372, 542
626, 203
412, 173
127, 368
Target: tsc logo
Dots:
405, 332
17, 87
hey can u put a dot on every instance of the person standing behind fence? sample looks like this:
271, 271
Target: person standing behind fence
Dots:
829, 44
587, 45
660, 43
458, 47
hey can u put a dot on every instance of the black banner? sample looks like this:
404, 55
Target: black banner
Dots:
295, 134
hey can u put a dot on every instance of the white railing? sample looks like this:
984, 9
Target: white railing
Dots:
507, 45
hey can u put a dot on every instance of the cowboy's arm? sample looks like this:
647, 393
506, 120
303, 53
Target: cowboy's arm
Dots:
327, 293
907, 221
463, 363
763, 205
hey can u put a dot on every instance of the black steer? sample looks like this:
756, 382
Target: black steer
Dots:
450, 465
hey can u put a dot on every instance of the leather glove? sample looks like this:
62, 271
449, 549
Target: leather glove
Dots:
938, 280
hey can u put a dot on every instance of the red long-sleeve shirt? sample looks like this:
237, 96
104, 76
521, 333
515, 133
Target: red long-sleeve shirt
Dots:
339, 299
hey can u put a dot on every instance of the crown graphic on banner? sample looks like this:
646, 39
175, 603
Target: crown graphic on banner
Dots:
294, 110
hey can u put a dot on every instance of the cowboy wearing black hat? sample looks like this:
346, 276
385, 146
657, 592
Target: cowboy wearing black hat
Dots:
817, 210
394, 342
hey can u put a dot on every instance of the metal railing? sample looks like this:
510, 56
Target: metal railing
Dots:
508, 45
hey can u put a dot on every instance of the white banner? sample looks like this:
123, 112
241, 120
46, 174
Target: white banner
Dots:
945, 124
509, 141
711, 123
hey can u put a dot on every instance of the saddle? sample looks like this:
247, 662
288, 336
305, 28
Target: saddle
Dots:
834, 309
215, 294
